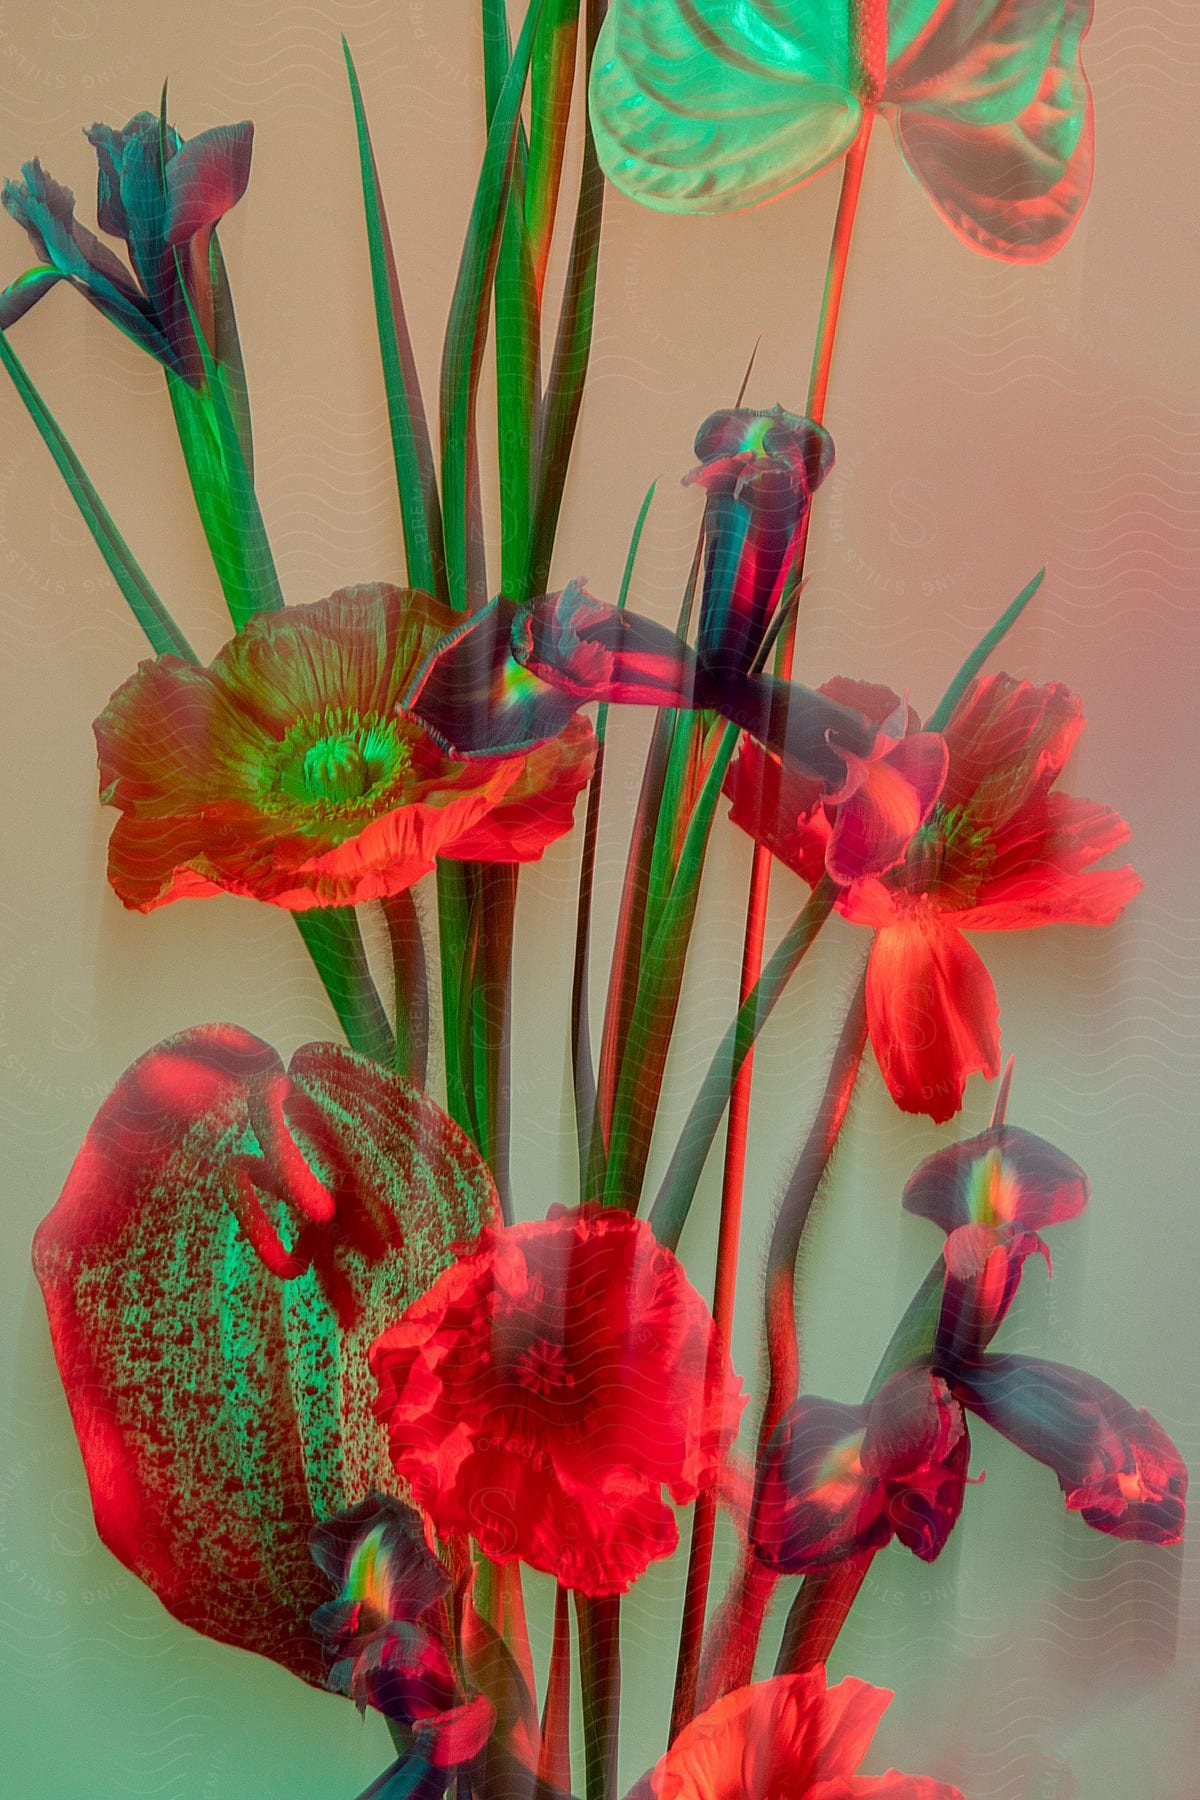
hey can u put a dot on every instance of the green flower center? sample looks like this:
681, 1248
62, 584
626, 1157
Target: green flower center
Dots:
336, 769
338, 759
947, 856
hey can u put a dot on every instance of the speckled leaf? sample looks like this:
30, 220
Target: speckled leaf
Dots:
222, 1408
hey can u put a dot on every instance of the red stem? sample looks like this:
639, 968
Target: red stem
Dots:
737, 1135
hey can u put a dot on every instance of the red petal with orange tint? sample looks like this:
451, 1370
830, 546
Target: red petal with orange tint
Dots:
932, 1014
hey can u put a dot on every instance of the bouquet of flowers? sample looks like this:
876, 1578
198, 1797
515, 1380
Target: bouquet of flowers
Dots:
336, 1381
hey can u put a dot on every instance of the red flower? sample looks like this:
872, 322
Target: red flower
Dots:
547, 1388
998, 852
288, 770
790, 1735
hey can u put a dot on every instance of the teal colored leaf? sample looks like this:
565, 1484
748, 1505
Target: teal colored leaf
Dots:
707, 106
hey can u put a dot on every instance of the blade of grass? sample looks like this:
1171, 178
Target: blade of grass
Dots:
551, 82
659, 983
581, 1045
559, 411
518, 323
467, 326
940, 716
412, 451
160, 628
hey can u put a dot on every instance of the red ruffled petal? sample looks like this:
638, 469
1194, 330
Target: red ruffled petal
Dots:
789, 1735
1008, 741
931, 1012
539, 806
549, 1386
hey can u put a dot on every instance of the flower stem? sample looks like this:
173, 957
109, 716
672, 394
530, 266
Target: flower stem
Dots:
600, 1681
554, 1767
674, 1197
818, 1612
823, 1604
782, 1349
411, 986
737, 1135
335, 944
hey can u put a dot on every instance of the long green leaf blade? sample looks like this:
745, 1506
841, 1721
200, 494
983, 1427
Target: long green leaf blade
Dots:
466, 330
572, 350
412, 451
160, 628
551, 82
940, 715
583, 1067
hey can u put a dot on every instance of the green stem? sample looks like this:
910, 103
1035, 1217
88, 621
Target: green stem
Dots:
410, 986
600, 1683
334, 941
678, 1187
782, 1348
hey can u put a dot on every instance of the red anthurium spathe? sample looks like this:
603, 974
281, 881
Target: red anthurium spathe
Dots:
791, 1735
289, 771
838, 1480
230, 1239
999, 851
1116, 1465
549, 1386
699, 106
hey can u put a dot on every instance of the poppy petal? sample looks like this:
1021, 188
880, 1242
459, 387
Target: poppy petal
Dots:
1050, 897
792, 1734
932, 1014
539, 807
1114, 1462
698, 106
780, 808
